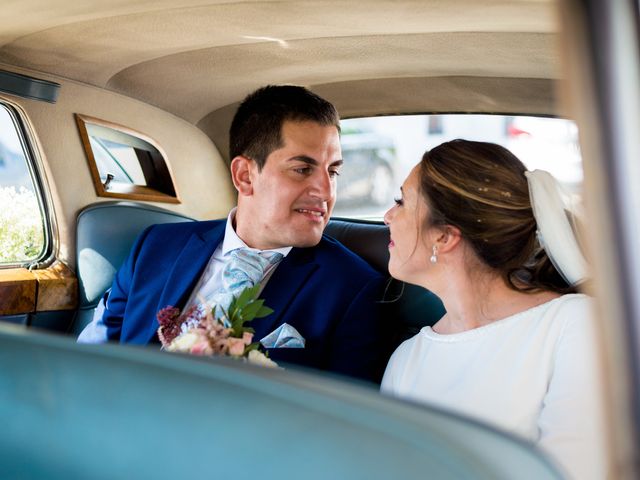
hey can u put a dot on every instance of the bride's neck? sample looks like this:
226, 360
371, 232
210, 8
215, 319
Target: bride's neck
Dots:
475, 302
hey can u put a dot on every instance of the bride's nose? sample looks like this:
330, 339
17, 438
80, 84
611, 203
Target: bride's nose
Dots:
388, 216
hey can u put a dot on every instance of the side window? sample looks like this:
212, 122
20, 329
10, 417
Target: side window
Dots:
23, 237
125, 163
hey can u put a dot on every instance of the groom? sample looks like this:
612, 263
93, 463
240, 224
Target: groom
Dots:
285, 151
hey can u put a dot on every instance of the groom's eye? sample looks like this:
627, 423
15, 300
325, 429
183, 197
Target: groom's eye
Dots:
303, 170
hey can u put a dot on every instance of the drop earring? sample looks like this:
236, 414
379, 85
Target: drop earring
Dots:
434, 255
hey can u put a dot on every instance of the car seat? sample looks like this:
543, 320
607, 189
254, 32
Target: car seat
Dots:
408, 307
104, 235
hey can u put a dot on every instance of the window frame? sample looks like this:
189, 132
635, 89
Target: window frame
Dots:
129, 191
37, 173
44, 284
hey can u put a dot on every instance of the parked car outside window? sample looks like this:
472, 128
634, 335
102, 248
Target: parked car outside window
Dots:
367, 176
379, 152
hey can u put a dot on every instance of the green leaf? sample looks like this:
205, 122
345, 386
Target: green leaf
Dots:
243, 309
263, 312
246, 296
225, 313
249, 312
233, 315
237, 324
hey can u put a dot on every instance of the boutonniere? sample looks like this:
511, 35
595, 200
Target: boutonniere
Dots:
201, 332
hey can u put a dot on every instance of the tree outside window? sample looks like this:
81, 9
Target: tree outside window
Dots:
22, 238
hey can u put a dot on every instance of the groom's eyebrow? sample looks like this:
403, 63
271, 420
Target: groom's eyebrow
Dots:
313, 162
305, 159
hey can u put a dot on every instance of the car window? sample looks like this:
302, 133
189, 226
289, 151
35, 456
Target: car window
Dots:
118, 160
125, 163
22, 230
379, 152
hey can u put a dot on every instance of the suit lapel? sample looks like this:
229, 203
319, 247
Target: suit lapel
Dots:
282, 288
188, 268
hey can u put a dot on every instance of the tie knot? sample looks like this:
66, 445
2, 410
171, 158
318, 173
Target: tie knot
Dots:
251, 263
244, 268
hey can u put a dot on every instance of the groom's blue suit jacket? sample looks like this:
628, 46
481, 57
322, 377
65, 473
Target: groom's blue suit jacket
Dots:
328, 293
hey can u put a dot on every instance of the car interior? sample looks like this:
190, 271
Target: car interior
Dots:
119, 113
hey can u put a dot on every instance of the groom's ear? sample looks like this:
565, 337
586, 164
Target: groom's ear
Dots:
241, 174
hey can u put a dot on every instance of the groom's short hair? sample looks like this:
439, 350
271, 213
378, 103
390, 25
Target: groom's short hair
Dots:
256, 129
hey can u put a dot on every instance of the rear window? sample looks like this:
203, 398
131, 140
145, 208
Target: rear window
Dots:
125, 163
379, 152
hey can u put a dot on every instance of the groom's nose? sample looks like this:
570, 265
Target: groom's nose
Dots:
321, 186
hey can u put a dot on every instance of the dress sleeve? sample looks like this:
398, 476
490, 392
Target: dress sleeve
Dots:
571, 421
388, 380
398, 367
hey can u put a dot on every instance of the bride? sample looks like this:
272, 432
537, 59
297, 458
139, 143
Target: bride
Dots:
516, 347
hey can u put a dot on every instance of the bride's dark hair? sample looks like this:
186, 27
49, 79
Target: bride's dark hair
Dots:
480, 188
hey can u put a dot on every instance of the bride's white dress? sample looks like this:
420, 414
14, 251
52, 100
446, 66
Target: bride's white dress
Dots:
534, 374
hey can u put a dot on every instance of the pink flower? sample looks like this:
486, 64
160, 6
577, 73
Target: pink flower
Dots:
198, 331
220, 346
202, 348
236, 346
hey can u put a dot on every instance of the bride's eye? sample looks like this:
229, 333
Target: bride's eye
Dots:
399, 201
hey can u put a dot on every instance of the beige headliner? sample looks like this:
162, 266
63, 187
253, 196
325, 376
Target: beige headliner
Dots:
196, 59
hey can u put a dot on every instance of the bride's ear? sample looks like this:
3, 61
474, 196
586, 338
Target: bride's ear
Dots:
449, 238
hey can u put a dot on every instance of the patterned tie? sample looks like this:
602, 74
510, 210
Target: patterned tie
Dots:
244, 269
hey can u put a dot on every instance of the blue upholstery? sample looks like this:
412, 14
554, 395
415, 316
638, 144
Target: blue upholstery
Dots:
105, 233
408, 307
118, 412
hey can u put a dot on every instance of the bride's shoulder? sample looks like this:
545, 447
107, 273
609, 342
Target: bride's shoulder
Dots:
407, 346
572, 316
572, 305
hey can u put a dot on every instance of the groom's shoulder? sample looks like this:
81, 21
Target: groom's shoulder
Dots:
172, 235
185, 228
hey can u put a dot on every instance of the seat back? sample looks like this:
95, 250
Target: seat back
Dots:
408, 307
104, 235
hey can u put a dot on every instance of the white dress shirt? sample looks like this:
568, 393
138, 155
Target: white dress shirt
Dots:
211, 279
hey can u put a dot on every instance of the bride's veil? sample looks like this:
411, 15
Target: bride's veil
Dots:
558, 216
